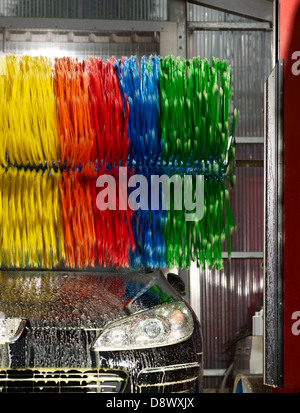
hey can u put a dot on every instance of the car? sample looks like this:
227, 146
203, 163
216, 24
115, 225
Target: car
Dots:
97, 331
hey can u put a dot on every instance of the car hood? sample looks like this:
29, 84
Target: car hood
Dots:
80, 299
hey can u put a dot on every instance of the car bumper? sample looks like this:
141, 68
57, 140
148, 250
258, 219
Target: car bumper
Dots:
34, 367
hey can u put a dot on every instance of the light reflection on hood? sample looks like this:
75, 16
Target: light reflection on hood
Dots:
83, 299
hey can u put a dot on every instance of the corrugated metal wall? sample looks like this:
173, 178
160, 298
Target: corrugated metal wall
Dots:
205, 14
86, 9
230, 297
250, 56
247, 201
81, 45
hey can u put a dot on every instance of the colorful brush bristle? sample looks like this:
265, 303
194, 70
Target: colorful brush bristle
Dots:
170, 107
194, 119
109, 113
76, 135
26, 89
113, 226
139, 83
78, 219
67, 124
31, 234
148, 227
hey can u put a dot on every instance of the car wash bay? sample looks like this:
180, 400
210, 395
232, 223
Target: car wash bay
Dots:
238, 299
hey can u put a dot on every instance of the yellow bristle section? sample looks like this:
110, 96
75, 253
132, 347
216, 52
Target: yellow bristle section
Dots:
30, 218
5, 220
1, 208
57, 216
28, 131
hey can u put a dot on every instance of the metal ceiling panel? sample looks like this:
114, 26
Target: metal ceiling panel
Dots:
253, 9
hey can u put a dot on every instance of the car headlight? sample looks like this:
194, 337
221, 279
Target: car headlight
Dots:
163, 325
11, 329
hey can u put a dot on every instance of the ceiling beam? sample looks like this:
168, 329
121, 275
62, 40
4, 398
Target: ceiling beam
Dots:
82, 24
197, 26
261, 10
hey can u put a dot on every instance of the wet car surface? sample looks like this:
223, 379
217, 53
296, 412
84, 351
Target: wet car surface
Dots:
109, 331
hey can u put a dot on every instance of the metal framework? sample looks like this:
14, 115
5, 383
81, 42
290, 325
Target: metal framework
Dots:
273, 237
265, 26
261, 10
36, 23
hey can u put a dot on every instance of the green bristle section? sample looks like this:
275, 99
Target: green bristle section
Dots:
195, 98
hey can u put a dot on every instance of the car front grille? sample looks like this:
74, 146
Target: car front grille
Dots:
66, 381
180, 378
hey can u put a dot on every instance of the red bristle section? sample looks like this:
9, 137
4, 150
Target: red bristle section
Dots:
76, 135
113, 230
78, 217
109, 115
